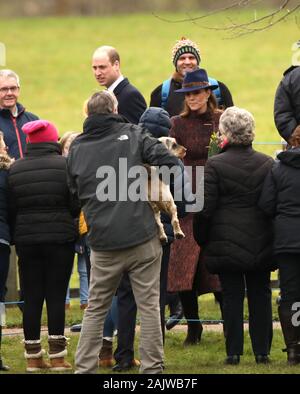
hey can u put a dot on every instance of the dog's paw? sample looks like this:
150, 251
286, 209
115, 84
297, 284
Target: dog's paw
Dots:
179, 235
163, 240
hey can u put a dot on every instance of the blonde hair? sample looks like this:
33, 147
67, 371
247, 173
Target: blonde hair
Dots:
67, 136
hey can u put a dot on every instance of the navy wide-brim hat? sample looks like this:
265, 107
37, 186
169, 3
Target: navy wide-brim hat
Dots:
196, 80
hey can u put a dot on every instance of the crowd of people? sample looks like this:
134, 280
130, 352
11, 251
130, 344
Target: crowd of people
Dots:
55, 201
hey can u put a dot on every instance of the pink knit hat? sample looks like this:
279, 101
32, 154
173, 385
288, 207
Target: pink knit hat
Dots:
40, 131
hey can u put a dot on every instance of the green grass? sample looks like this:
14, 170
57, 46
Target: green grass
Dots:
53, 55
208, 310
205, 358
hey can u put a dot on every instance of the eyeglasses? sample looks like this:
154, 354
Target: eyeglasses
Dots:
13, 89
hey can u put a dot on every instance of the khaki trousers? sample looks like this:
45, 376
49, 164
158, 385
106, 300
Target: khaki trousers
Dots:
142, 263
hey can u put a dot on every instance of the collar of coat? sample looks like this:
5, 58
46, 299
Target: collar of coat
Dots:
98, 123
43, 148
121, 86
7, 114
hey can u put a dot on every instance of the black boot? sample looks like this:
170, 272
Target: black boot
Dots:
194, 334
290, 332
2, 366
176, 313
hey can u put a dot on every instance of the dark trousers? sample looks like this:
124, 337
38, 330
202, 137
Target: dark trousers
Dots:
260, 311
289, 272
126, 321
46, 271
4, 265
127, 311
189, 300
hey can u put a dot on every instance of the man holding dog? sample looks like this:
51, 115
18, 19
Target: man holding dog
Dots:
122, 234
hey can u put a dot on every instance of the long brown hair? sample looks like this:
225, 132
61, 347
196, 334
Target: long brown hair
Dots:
212, 106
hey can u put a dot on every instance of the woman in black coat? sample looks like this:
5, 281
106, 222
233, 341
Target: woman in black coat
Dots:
236, 235
280, 200
44, 235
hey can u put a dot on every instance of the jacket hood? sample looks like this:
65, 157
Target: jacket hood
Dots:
290, 157
157, 121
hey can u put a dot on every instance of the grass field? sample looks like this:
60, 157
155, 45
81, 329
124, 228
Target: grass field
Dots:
205, 358
53, 56
208, 310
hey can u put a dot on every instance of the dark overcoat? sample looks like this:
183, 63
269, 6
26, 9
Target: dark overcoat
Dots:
280, 200
128, 94
235, 234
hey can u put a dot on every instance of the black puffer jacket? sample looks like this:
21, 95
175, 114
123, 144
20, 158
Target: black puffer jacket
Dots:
40, 200
280, 199
287, 103
235, 234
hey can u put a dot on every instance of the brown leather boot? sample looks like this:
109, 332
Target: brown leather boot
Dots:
34, 356
106, 359
57, 353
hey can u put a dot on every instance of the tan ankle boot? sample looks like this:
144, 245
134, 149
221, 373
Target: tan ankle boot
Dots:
34, 356
59, 364
57, 353
106, 359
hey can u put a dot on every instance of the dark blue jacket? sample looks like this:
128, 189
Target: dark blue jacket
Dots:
14, 137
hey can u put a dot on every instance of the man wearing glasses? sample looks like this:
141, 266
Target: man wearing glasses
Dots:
12, 114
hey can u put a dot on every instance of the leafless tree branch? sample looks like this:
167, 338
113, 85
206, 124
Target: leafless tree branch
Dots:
220, 10
236, 29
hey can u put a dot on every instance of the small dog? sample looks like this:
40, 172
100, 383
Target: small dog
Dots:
166, 202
